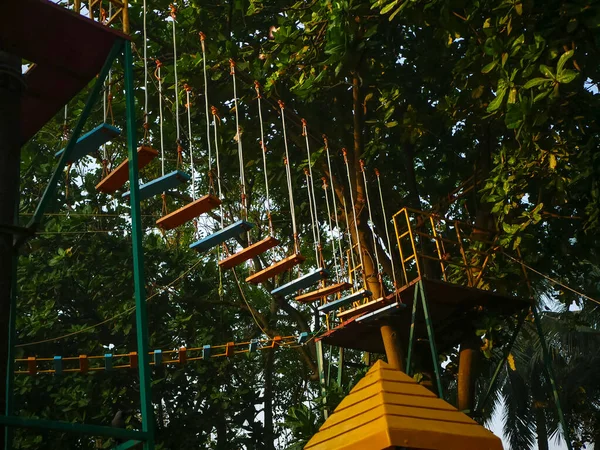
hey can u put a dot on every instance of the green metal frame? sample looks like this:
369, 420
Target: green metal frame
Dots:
420, 295
121, 47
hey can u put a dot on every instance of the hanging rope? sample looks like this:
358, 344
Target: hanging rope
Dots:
145, 32
216, 119
188, 105
238, 138
178, 141
264, 155
352, 261
160, 116
387, 232
311, 193
289, 179
338, 270
372, 224
335, 209
312, 215
360, 255
211, 187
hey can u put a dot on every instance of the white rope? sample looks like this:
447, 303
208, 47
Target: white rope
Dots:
264, 156
202, 39
239, 142
338, 269
312, 216
360, 255
145, 67
160, 117
174, 16
364, 175
215, 119
349, 235
289, 179
189, 116
312, 186
387, 232
335, 209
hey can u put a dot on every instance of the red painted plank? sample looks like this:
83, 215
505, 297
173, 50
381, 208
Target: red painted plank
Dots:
188, 212
248, 253
323, 292
275, 269
67, 48
119, 176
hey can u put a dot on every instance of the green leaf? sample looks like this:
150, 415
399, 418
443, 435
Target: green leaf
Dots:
567, 76
488, 67
400, 8
546, 71
536, 82
519, 8
497, 102
387, 8
563, 60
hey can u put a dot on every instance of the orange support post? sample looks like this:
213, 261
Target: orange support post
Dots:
84, 364
31, 365
133, 360
229, 349
182, 355
276, 341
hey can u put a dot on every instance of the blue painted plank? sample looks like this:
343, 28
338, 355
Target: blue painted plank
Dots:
229, 232
328, 307
161, 184
303, 337
58, 365
91, 141
108, 362
303, 282
387, 310
206, 352
253, 345
158, 357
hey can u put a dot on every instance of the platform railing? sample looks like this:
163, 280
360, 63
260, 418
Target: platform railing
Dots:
117, 9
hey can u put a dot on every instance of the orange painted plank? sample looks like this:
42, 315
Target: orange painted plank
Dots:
276, 269
188, 212
323, 292
119, 176
364, 308
248, 253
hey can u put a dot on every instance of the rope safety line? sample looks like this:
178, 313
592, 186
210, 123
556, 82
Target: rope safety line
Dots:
338, 270
238, 138
264, 155
146, 100
176, 88
289, 179
211, 186
349, 236
378, 269
216, 118
312, 216
160, 116
387, 233
188, 91
335, 208
311, 194
360, 255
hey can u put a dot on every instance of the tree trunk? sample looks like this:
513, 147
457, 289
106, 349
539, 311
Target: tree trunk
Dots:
468, 356
541, 429
10, 156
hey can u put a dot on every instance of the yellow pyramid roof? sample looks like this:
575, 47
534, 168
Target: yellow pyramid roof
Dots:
387, 408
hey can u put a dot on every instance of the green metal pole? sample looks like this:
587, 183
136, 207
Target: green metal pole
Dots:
10, 365
550, 371
320, 366
411, 336
340, 374
507, 351
434, 354
141, 313
87, 109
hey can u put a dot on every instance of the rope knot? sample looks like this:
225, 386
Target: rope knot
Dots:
345, 153
257, 88
187, 87
202, 36
281, 104
377, 172
285, 161
303, 126
324, 182
362, 165
232, 66
263, 146
215, 112
173, 11
306, 172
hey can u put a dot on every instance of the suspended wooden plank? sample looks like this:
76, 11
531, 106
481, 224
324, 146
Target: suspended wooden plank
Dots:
323, 292
275, 269
328, 307
310, 279
248, 253
161, 184
229, 232
188, 212
120, 175
364, 308
382, 312
91, 141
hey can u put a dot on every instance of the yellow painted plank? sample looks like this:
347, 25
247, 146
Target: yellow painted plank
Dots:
358, 439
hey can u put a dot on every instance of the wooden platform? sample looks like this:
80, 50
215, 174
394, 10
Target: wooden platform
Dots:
323, 292
160, 184
276, 269
451, 306
364, 308
91, 141
68, 51
249, 252
188, 212
302, 282
117, 178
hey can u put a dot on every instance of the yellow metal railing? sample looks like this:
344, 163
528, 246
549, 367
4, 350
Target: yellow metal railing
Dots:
106, 11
